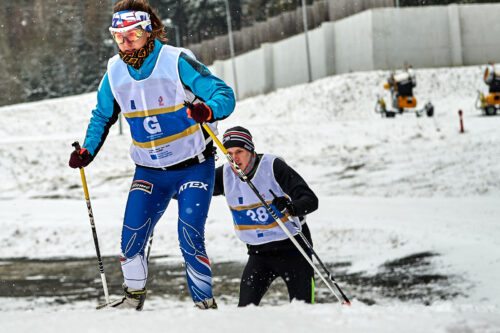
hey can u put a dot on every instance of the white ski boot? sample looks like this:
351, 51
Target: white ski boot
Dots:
133, 299
208, 303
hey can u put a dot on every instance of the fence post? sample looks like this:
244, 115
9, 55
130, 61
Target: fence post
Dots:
461, 121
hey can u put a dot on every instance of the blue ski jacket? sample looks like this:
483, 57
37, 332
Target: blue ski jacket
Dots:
194, 76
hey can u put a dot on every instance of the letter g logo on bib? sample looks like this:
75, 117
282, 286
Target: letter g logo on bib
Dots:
151, 125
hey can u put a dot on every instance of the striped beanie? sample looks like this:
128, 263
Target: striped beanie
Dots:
238, 137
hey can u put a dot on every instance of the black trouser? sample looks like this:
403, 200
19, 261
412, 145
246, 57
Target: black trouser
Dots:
261, 270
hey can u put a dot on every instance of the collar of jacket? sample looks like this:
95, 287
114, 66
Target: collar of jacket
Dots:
148, 65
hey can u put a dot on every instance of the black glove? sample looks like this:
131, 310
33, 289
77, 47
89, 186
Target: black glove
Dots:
283, 204
199, 112
80, 158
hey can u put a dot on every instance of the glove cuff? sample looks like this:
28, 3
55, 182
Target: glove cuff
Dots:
210, 113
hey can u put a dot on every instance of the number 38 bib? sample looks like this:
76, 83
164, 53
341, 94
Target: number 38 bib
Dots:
253, 224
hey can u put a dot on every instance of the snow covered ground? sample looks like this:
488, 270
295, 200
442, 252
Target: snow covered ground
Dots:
388, 188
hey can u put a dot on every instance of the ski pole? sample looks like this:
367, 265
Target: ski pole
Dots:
310, 248
244, 178
94, 232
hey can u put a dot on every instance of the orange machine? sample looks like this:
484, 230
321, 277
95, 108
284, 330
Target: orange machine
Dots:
490, 104
401, 87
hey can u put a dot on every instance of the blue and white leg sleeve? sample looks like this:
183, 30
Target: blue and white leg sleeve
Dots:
147, 200
135, 271
194, 195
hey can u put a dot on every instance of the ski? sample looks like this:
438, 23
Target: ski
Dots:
109, 304
102, 306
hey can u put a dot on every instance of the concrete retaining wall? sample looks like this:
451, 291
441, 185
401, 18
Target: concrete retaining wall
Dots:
380, 38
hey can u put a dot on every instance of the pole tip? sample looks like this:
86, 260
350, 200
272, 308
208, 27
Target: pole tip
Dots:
347, 303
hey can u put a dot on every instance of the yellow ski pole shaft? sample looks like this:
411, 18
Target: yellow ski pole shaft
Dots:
94, 232
273, 214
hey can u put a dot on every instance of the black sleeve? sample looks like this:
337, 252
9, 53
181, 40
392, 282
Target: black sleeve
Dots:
219, 181
303, 198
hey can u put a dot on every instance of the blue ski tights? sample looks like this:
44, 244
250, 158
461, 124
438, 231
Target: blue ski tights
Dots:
148, 199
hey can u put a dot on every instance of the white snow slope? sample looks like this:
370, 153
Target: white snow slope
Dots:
388, 188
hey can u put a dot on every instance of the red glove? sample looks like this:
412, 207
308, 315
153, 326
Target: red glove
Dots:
80, 158
199, 112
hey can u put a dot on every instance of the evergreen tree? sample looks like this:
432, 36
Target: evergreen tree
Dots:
198, 20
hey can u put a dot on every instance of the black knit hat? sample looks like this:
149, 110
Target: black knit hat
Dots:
238, 137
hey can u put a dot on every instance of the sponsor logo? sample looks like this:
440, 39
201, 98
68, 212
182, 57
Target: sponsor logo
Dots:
132, 105
240, 200
159, 153
193, 185
127, 18
160, 101
142, 185
151, 125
